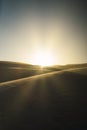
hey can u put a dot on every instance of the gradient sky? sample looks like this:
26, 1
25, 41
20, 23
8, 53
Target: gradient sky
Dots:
29, 26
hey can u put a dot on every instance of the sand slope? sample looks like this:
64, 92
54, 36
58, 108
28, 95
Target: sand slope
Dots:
56, 100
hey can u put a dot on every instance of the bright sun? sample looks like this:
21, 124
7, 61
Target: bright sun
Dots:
42, 58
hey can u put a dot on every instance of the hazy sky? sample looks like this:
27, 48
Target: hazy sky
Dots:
29, 26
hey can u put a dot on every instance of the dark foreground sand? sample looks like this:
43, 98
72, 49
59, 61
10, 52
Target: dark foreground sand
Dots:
50, 101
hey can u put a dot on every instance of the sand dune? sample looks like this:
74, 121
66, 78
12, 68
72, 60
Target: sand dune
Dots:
57, 100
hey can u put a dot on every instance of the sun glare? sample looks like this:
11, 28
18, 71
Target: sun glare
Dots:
42, 59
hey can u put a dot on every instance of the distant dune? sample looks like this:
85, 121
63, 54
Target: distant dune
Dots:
16, 70
56, 100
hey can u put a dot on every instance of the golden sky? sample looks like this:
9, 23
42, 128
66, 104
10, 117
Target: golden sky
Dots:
53, 31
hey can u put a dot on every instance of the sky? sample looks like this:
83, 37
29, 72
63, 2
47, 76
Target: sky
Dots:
56, 27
